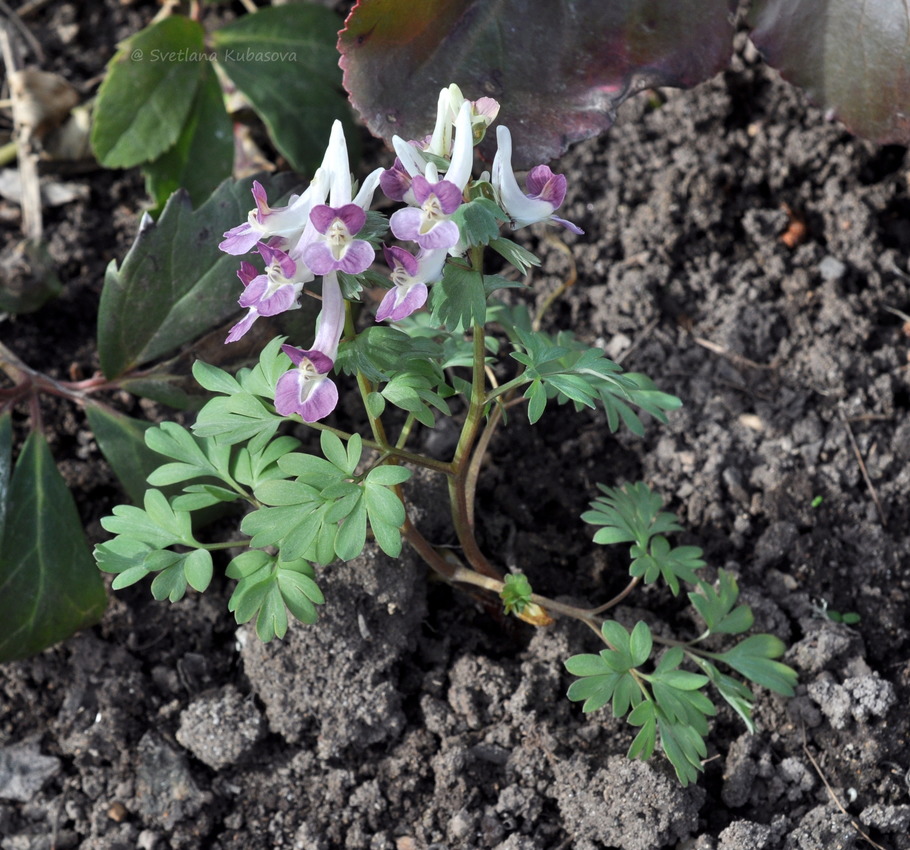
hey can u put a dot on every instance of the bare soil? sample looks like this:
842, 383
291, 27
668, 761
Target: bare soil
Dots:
739, 250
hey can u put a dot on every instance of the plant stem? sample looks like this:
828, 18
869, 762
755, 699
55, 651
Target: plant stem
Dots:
460, 487
393, 451
473, 471
227, 544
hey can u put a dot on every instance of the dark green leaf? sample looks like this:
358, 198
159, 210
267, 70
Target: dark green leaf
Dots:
273, 616
283, 59
478, 221
515, 254
148, 92
640, 644
388, 475
300, 594
716, 606
214, 379
631, 513
6, 463
174, 283
352, 533
335, 453
203, 155
49, 585
383, 505
170, 583
122, 441
197, 567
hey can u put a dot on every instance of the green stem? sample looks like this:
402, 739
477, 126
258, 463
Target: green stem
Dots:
473, 472
459, 483
405, 431
228, 544
392, 451
507, 387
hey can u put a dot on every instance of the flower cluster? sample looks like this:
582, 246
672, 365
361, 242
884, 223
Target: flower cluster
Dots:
316, 234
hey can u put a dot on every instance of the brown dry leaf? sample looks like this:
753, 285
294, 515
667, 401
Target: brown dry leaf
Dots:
42, 99
796, 232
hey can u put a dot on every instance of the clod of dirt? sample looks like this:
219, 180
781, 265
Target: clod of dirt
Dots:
859, 698
23, 770
823, 826
341, 671
165, 790
745, 835
628, 804
220, 729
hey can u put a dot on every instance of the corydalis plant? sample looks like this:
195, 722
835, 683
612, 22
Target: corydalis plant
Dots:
307, 510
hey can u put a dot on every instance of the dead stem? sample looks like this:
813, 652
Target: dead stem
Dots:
862, 469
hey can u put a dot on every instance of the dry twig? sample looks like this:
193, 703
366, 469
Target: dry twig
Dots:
32, 224
862, 469
833, 796
738, 359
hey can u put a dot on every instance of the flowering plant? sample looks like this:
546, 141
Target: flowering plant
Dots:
411, 365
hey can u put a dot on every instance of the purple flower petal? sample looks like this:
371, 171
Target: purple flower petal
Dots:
271, 255
284, 298
406, 223
350, 215
254, 292
239, 239
443, 234
319, 258
242, 326
357, 258
312, 397
247, 273
399, 302
353, 217
544, 185
288, 392
321, 401
321, 363
395, 257
568, 225
322, 217
262, 201
395, 181
447, 193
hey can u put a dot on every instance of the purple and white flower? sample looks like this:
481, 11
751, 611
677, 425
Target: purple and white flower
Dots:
410, 162
546, 190
410, 276
264, 223
307, 389
429, 224
274, 291
338, 250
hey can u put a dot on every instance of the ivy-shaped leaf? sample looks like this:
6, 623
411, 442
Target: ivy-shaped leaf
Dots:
49, 587
174, 284
203, 154
283, 59
148, 92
